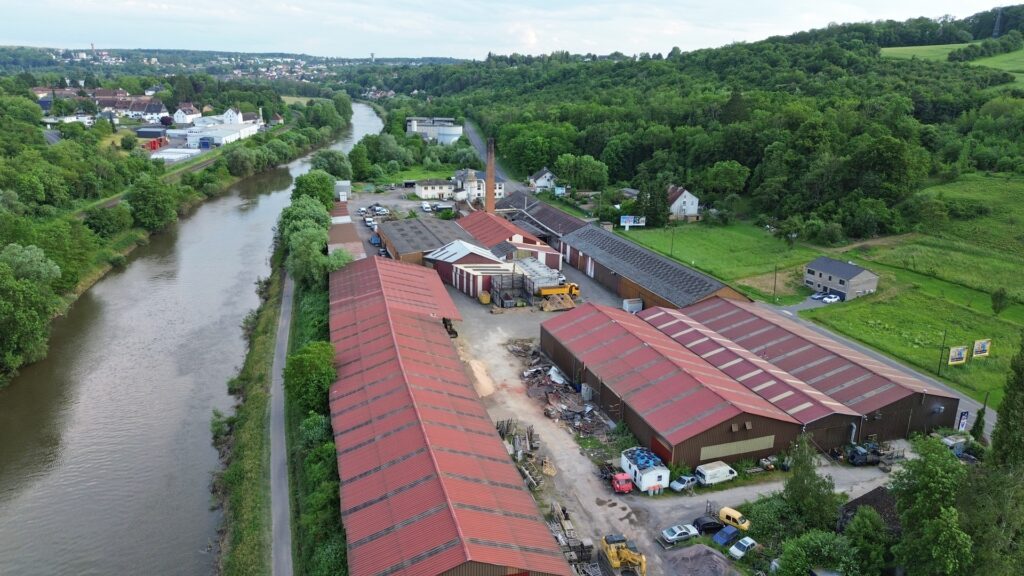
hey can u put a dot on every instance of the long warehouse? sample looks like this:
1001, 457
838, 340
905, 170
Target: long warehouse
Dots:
427, 487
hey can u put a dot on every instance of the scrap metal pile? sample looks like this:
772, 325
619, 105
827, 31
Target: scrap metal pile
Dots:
579, 552
523, 444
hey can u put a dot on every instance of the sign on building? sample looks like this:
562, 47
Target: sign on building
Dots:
957, 355
961, 424
627, 221
981, 347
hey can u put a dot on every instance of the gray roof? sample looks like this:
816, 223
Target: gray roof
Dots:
536, 217
526, 225
480, 175
515, 201
422, 234
540, 173
51, 136
679, 284
837, 268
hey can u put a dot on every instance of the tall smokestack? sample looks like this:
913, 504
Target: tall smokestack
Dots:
489, 198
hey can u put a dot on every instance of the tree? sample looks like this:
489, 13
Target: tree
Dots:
166, 121
109, 222
241, 161
816, 549
334, 162
300, 211
811, 497
129, 141
978, 428
582, 172
306, 260
991, 507
152, 202
25, 310
308, 376
925, 490
1000, 300
316, 184
30, 263
1007, 448
360, 162
727, 177
869, 541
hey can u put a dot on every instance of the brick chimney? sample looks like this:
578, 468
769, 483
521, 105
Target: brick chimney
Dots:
489, 198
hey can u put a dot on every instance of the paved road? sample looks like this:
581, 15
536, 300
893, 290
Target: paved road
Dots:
966, 402
281, 533
480, 145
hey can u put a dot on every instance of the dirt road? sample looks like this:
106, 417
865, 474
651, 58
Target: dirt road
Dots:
281, 532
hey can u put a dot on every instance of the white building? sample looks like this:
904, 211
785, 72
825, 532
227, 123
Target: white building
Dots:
443, 130
435, 189
219, 135
186, 113
648, 472
472, 185
544, 179
682, 204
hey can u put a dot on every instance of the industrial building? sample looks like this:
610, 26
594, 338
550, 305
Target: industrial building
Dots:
427, 486
891, 403
632, 271
408, 240
543, 221
508, 241
442, 130
676, 403
831, 423
218, 134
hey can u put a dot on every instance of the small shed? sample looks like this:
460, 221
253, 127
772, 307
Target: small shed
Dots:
648, 472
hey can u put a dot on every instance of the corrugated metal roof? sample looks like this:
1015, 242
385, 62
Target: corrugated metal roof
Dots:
426, 484
457, 250
678, 393
421, 234
490, 230
842, 373
792, 395
679, 284
488, 269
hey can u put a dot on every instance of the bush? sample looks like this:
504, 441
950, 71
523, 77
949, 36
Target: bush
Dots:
109, 222
309, 374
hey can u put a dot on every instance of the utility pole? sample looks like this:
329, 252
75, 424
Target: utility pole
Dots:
775, 280
941, 350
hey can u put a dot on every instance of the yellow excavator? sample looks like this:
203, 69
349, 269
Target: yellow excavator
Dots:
620, 557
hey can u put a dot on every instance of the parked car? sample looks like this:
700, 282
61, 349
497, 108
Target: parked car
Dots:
381, 211
830, 299
740, 549
818, 295
425, 206
361, 211
683, 483
382, 252
732, 517
726, 536
369, 222
707, 525
679, 533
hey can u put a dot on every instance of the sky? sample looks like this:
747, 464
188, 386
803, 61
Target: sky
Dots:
456, 28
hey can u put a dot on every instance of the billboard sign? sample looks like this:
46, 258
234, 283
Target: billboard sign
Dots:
961, 424
627, 221
981, 347
957, 355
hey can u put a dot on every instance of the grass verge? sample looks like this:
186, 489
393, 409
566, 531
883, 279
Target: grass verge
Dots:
244, 445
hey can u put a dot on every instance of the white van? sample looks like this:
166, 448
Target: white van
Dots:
425, 206
714, 473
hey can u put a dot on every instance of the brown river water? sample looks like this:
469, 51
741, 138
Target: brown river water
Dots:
105, 454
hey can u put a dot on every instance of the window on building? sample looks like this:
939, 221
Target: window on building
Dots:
829, 277
819, 275
842, 282
811, 272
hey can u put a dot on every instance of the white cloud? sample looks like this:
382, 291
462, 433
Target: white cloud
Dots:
460, 28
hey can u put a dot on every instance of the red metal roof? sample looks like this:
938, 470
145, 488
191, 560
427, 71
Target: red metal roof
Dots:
679, 394
491, 230
794, 396
426, 484
837, 370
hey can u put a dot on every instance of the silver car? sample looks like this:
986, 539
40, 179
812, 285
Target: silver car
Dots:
679, 533
740, 549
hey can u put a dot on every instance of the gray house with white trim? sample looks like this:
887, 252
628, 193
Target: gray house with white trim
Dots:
845, 279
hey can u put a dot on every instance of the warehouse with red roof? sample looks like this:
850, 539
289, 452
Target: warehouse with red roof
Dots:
891, 403
677, 404
427, 486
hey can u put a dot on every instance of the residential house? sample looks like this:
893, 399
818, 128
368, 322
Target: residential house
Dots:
276, 119
471, 185
435, 189
186, 113
232, 116
845, 279
682, 204
543, 179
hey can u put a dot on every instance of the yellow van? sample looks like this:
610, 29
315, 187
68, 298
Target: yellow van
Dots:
731, 517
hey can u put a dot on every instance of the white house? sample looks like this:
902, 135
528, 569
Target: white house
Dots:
471, 185
186, 113
682, 204
435, 189
232, 116
544, 179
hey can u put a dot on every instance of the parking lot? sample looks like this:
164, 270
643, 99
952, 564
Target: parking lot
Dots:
593, 508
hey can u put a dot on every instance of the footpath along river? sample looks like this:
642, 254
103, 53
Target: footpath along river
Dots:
105, 454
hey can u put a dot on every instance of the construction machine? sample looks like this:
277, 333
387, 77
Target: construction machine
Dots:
620, 557
571, 289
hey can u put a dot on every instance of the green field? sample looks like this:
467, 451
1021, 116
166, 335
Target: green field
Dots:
1011, 61
416, 173
937, 52
728, 252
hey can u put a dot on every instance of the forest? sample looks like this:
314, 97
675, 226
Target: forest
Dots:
815, 126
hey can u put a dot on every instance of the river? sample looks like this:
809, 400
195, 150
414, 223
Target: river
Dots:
105, 454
